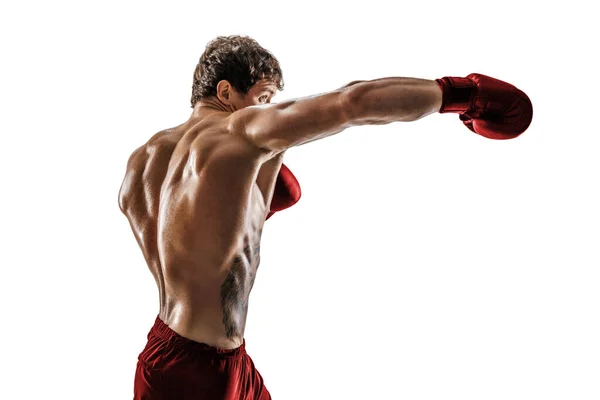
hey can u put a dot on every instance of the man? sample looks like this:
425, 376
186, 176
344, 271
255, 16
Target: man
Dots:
197, 197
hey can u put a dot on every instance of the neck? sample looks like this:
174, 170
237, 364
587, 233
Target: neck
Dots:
210, 106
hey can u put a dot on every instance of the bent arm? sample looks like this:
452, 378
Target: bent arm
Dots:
267, 176
277, 127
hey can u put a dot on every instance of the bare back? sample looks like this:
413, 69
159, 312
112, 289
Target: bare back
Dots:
196, 209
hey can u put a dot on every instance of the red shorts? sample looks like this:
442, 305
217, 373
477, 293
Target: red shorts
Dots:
176, 368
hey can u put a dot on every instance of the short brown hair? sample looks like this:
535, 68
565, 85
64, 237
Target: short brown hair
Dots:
237, 59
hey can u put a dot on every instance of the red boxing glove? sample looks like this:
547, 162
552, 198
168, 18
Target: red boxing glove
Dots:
287, 191
487, 106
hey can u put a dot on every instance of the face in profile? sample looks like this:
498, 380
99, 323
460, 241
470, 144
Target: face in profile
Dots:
261, 93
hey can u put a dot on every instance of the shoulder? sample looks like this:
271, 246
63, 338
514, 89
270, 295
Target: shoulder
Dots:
248, 123
218, 142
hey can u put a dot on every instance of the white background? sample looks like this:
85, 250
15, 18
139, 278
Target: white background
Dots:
422, 262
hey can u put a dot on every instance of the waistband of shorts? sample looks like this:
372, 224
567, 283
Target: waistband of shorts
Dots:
162, 330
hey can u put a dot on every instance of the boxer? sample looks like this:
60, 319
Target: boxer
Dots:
197, 196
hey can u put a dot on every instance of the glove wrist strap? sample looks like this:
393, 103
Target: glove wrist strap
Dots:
457, 94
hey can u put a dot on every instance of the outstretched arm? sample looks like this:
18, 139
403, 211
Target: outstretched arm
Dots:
277, 127
487, 106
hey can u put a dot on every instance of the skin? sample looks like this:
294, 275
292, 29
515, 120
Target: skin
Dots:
197, 195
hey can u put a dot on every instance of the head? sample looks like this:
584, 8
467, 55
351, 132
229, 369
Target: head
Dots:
237, 72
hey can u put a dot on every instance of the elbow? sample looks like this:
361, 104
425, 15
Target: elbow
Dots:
351, 84
363, 107
366, 106
357, 110
350, 104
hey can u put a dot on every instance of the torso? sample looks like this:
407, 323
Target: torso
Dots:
191, 197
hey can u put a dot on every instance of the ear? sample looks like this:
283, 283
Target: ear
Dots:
224, 91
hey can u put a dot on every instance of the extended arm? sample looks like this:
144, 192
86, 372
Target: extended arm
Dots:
487, 106
276, 127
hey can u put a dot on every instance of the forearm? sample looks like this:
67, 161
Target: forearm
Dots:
268, 174
386, 100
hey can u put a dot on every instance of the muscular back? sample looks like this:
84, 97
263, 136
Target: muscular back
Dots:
196, 198
197, 195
